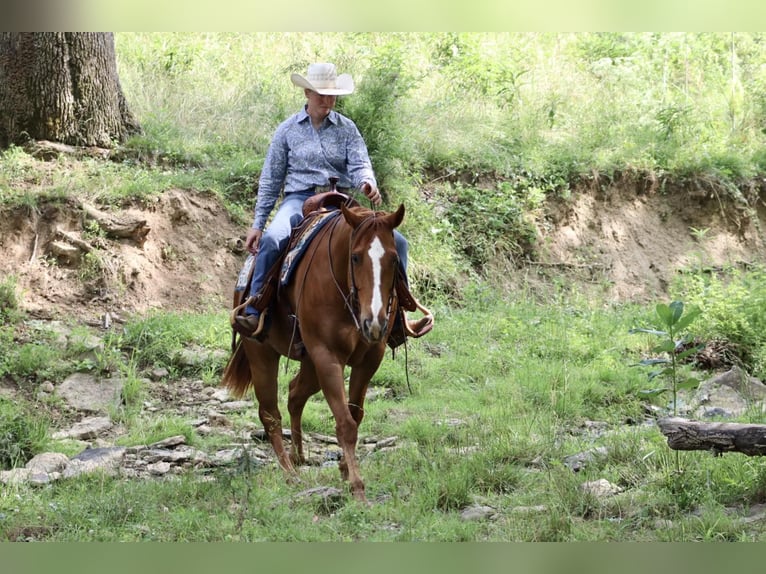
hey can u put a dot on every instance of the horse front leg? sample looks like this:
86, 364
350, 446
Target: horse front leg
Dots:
359, 380
302, 387
330, 376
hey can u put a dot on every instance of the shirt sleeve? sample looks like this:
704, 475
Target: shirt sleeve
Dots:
272, 177
359, 164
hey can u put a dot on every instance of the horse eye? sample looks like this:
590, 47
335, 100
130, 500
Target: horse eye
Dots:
355, 259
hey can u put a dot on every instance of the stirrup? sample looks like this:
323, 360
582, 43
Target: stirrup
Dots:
422, 326
238, 328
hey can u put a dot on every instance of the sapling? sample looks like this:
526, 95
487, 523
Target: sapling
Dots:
674, 346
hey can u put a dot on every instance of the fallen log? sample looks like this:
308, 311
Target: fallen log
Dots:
135, 229
66, 253
682, 434
81, 244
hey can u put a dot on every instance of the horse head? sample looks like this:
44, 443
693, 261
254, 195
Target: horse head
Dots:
373, 268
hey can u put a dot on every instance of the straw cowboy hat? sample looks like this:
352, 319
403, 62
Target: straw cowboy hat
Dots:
323, 79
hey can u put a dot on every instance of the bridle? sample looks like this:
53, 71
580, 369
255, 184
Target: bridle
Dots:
351, 300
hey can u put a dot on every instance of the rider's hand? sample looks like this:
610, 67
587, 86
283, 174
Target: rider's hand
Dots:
253, 239
372, 193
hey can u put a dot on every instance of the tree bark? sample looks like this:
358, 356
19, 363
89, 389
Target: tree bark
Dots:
62, 87
749, 439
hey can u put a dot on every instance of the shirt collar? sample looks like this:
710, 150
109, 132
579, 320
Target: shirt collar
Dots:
304, 116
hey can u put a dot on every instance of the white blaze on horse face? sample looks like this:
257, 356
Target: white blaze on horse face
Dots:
376, 253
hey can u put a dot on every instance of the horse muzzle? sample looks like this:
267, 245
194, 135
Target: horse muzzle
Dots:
374, 330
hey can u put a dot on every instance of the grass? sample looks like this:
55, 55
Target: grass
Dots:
499, 398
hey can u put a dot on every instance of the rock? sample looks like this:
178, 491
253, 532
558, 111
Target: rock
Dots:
600, 488
15, 476
727, 395
580, 460
385, 443
106, 459
329, 497
236, 245
236, 406
42, 478
158, 373
169, 442
86, 392
478, 512
166, 455
219, 394
196, 356
159, 468
218, 420
47, 387
66, 253
87, 428
47, 462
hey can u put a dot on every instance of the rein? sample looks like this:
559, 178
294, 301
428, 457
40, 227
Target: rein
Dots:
349, 300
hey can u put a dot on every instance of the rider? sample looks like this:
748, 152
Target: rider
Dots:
307, 149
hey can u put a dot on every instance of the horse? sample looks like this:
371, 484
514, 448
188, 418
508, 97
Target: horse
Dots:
342, 300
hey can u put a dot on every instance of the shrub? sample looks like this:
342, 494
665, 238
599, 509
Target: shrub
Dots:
733, 306
9, 303
23, 434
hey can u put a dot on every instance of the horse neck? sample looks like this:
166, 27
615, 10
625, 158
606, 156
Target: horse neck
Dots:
339, 250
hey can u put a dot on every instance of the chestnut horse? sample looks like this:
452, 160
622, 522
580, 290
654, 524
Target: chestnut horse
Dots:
342, 295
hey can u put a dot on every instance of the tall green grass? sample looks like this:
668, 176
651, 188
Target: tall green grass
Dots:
550, 104
459, 125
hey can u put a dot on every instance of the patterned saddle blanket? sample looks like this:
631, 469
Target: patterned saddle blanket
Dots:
302, 236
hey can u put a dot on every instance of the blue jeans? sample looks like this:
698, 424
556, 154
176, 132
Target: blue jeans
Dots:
277, 234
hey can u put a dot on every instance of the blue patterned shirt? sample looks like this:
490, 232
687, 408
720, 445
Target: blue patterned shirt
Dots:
301, 158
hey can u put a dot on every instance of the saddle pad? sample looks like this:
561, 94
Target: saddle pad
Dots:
243, 280
302, 240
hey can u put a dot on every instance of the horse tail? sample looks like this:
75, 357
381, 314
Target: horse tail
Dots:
236, 374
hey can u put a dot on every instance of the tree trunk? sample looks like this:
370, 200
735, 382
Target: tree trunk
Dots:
749, 439
61, 87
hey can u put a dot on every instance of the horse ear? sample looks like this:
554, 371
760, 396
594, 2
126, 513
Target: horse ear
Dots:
353, 218
398, 216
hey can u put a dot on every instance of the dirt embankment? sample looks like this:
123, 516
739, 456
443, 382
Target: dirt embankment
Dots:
627, 239
188, 259
632, 238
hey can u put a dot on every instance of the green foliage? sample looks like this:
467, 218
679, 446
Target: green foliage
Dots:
30, 362
494, 223
9, 301
471, 73
733, 305
376, 108
672, 350
553, 105
491, 432
23, 434
156, 429
160, 340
